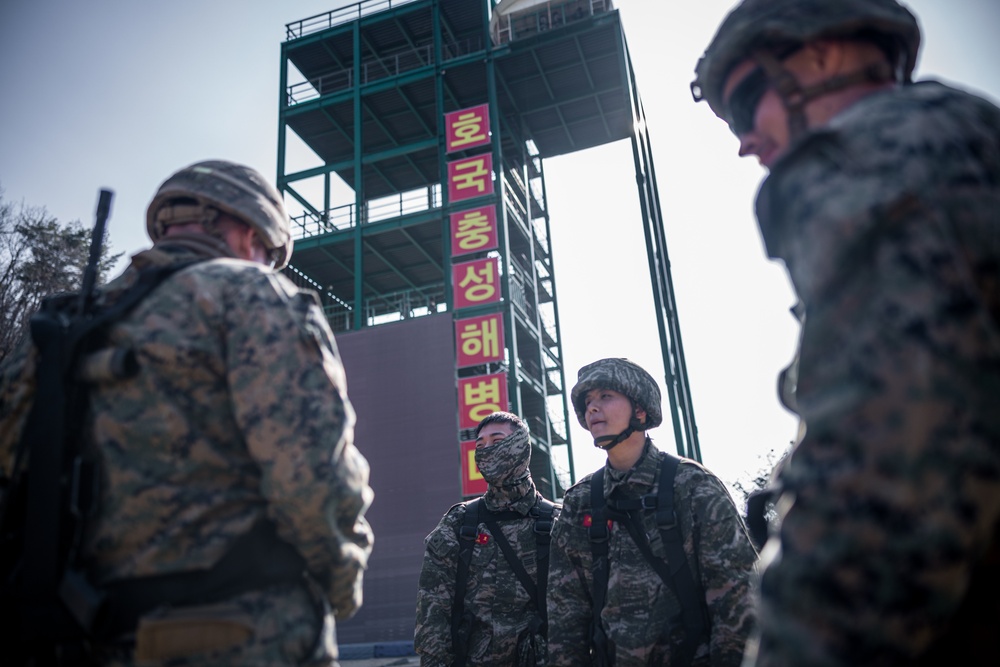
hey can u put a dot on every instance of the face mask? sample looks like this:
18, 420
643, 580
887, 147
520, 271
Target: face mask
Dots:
506, 462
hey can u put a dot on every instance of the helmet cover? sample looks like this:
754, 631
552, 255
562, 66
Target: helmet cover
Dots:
623, 376
769, 24
234, 189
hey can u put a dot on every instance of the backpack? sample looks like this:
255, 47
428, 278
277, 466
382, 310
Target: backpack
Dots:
674, 571
475, 513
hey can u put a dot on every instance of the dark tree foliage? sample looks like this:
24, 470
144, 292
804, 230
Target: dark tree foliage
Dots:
39, 256
758, 499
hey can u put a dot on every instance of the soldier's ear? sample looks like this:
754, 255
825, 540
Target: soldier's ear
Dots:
640, 414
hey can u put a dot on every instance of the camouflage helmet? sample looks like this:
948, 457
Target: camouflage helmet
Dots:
765, 24
623, 376
230, 188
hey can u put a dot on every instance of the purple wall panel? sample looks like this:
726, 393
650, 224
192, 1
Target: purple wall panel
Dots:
401, 381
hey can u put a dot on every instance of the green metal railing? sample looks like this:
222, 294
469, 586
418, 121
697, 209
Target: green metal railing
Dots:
308, 224
377, 69
548, 16
334, 17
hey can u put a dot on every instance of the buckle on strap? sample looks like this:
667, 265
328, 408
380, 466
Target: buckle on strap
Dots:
649, 502
666, 521
543, 527
599, 533
468, 532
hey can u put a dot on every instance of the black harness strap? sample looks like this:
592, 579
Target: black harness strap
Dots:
256, 560
468, 531
508, 552
603, 653
543, 514
675, 571
694, 615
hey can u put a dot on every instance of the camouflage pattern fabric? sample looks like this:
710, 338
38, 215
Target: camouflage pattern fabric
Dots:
623, 376
499, 607
239, 412
888, 221
641, 612
228, 187
504, 466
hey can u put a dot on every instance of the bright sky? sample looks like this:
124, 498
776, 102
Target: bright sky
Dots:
119, 94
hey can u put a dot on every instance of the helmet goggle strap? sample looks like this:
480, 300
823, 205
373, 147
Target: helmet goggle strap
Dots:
186, 212
190, 211
794, 96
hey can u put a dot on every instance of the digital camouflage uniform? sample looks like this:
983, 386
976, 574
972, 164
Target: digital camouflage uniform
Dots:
497, 607
640, 615
238, 414
888, 221
889, 224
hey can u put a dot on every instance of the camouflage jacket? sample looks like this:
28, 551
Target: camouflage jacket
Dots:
888, 221
497, 607
239, 411
640, 615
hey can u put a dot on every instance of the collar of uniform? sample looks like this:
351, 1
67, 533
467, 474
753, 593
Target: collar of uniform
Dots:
638, 479
181, 248
524, 493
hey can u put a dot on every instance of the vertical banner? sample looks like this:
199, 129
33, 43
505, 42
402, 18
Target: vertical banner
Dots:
479, 396
467, 128
473, 483
474, 230
475, 283
480, 340
470, 177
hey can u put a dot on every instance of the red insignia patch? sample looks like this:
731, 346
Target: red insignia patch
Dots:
482, 538
588, 521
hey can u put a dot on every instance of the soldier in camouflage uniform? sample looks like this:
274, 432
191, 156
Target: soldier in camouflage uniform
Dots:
883, 202
501, 619
617, 401
232, 443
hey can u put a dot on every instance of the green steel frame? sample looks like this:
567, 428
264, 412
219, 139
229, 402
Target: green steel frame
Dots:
335, 54
375, 80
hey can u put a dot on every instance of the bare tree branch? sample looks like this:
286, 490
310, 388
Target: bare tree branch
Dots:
39, 256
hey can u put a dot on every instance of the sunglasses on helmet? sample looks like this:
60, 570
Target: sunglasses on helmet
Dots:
741, 107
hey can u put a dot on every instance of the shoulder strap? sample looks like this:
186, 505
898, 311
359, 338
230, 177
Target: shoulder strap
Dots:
599, 534
508, 551
675, 571
467, 532
543, 512
694, 616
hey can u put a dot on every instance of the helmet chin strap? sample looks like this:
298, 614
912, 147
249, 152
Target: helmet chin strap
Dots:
633, 426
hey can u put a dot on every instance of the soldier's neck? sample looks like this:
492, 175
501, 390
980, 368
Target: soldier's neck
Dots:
626, 453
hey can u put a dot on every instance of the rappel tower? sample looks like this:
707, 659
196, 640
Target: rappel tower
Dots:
411, 145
